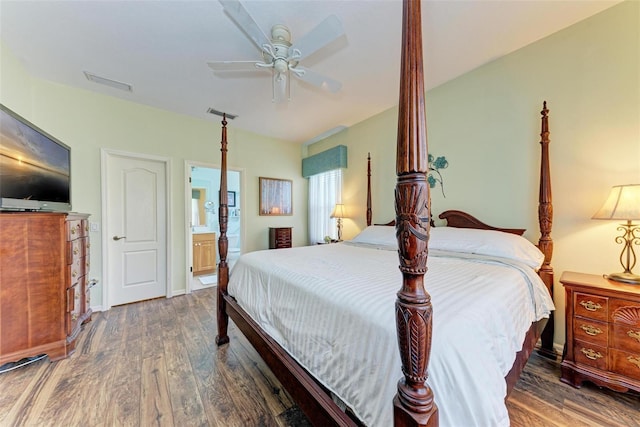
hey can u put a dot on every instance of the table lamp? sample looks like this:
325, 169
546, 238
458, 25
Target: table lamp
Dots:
623, 204
338, 213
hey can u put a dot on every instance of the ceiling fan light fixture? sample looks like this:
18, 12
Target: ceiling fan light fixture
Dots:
280, 65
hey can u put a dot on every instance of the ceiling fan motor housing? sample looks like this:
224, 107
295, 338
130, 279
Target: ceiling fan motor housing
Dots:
280, 34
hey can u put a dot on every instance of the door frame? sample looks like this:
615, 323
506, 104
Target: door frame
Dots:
187, 215
105, 153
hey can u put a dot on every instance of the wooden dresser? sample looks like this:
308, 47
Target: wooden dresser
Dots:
279, 237
44, 291
204, 253
603, 332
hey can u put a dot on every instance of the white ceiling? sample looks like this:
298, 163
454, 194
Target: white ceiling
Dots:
161, 48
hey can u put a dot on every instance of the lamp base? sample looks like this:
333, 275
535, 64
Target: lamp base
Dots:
631, 278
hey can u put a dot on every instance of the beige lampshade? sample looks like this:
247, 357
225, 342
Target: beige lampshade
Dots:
338, 211
623, 203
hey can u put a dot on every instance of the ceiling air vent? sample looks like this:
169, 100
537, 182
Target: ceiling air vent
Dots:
221, 113
108, 82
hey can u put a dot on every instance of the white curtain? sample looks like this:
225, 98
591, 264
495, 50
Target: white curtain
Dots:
325, 190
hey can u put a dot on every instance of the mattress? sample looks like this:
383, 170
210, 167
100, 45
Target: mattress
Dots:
332, 308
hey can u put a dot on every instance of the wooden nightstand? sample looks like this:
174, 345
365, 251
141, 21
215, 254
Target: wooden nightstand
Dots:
603, 332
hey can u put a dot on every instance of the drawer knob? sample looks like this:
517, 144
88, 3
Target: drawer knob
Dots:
591, 330
634, 361
590, 305
591, 353
634, 335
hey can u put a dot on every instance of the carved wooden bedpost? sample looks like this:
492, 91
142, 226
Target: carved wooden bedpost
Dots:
545, 219
368, 189
413, 404
223, 244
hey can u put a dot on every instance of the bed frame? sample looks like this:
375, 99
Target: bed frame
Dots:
413, 404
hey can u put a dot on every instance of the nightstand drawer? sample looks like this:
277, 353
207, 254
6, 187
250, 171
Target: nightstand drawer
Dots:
590, 354
625, 363
591, 306
592, 331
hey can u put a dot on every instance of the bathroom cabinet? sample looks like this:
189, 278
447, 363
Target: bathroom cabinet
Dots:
204, 253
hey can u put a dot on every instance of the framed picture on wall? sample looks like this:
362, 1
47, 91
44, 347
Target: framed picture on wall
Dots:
275, 196
231, 198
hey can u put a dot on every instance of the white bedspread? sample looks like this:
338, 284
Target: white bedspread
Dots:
332, 308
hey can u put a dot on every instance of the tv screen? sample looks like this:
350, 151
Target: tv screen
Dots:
35, 168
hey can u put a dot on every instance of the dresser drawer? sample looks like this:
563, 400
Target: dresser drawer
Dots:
591, 306
74, 307
75, 249
625, 363
591, 331
590, 354
75, 229
75, 271
625, 337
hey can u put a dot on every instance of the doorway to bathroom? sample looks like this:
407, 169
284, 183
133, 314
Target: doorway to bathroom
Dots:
202, 202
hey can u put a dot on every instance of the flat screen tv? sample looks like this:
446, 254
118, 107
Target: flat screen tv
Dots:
35, 168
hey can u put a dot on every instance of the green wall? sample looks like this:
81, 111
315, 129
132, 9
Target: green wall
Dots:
87, 122
487, 124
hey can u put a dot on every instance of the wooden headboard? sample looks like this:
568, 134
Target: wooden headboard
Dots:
461, 219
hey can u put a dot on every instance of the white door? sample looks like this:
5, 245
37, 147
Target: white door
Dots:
136, 219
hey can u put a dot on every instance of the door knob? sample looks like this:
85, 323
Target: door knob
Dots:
119, 237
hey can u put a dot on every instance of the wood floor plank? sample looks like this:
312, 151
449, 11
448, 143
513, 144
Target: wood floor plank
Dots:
188, 409
546, 414
277, 400
155, 409
245, 392
62, 385
124, 405
28, 404
588, 417
220, 408
275, 397
93, 335
14, 383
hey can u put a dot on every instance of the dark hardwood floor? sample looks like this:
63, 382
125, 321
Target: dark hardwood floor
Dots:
155, 363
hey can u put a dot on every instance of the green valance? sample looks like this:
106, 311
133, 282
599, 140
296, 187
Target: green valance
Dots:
333, 158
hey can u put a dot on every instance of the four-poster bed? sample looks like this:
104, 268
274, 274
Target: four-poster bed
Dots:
414, 402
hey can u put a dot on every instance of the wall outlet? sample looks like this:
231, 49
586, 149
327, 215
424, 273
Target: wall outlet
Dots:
94, 226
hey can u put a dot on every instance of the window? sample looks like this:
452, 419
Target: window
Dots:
325, 190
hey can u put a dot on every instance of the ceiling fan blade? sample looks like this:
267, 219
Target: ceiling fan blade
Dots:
281, 87
247, 24
233, 65
323, 34
317, 79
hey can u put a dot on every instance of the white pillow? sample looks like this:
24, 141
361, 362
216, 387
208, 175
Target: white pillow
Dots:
486, 242
377, 235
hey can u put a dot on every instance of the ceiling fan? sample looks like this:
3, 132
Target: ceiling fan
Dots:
279, 54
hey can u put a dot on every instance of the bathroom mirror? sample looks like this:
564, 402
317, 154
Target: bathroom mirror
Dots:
199, 213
